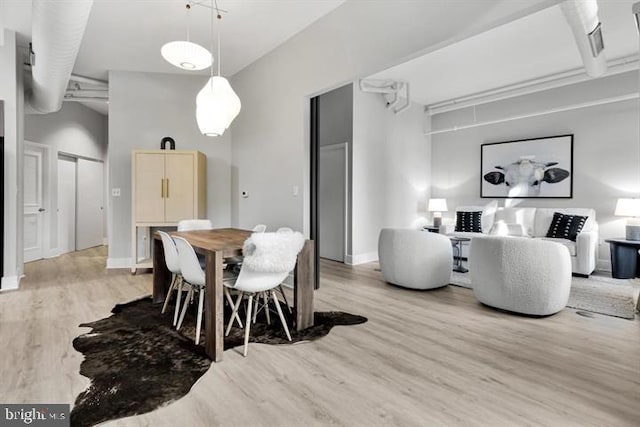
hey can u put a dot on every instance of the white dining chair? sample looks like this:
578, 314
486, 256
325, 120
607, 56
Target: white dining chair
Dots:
173, 265
193, 274
285, 230
268, 260
194, 224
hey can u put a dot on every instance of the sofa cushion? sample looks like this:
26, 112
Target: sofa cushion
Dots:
517, 215
564, 242
566, 226
469, 222
488, 213
544, 216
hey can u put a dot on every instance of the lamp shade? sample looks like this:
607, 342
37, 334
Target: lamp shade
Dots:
437, 205
217, 105
186, 55
628, 207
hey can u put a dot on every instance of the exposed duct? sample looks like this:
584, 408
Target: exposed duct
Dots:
57, 31
582, 16
395, 93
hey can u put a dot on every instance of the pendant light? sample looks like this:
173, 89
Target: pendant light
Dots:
186, 54
217, 105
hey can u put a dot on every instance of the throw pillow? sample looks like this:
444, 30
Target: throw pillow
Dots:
566, 226
469, 222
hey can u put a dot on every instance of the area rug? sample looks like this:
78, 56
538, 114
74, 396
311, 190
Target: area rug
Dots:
602, 295
138, 362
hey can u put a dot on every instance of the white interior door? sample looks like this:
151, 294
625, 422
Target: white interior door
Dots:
33, 203
89, 204
332, 201
66, 204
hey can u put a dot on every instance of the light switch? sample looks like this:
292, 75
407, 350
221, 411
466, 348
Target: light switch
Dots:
296, 191
115, 192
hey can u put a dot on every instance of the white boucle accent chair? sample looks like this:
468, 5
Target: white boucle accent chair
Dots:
415, 259
522, 275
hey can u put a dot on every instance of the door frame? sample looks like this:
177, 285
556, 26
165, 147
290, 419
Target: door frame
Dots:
339, 146
46, 195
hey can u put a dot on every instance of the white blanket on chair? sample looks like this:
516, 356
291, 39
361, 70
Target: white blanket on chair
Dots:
272, 252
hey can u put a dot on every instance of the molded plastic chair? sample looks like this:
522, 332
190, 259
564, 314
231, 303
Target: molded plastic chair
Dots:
173, 265
272, 251
193, 274
285, 230
194, 224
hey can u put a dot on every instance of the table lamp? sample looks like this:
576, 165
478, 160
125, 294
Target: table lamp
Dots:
437, 206
631, 209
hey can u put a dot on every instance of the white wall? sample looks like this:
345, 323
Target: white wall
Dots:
391, 169
271, 135
75, 130
606, 148
144, 108
11, 93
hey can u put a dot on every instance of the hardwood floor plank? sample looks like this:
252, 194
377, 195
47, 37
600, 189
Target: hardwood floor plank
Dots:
433, 357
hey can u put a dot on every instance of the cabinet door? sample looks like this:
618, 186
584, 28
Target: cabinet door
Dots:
179, 172
149, 200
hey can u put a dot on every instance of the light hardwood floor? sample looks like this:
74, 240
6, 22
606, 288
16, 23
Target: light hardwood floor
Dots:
427, 358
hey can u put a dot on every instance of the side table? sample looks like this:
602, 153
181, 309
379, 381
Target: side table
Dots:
624, 258
431, 228
456, 242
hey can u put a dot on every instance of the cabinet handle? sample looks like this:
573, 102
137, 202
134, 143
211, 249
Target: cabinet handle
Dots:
167, 191
162, 188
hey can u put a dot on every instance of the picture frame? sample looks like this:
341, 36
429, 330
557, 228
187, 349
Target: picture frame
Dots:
536, 168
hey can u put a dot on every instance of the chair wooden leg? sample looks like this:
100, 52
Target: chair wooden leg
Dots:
199, 318
284, 297
265, 298
187, 300
282, 319
232, 305
255, 310
247, 327
174, 279
177, 309
234, 313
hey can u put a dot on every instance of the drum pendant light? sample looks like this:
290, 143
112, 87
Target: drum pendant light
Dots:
186, 54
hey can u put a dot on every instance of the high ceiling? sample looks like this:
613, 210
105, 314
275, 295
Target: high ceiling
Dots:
128, 34
538, 45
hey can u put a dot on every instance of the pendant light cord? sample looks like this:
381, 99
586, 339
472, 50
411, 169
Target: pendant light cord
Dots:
219, 16
188, 7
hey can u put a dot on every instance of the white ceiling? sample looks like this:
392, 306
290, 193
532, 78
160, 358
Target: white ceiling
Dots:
128, 34
538, 45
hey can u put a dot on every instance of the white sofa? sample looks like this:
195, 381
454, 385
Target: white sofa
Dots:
529, 276
534, 223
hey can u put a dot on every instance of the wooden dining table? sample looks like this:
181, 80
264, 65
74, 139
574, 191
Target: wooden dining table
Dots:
216, 245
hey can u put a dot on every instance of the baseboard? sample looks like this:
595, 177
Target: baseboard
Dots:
361, 258
118, 263
603, 265
10, 283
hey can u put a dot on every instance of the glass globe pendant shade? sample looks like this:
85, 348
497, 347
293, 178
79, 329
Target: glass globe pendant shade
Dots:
187, 55
217, 105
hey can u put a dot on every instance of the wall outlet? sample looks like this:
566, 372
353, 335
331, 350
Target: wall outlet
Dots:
245, 194
115, 192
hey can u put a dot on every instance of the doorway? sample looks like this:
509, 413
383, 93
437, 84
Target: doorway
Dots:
331, 130
332, 201
35, 200
80, 203
66, 204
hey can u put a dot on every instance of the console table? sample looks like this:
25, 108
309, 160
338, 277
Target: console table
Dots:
624, 258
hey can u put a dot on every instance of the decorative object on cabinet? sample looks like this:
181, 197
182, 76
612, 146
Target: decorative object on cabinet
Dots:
171, 141
166, 186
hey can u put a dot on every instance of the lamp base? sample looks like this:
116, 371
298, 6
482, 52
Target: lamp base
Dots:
437, 221
633, 232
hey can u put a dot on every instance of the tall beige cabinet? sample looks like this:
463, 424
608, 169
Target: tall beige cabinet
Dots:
167, 186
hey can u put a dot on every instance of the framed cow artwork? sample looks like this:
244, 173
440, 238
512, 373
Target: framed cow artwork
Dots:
528, 168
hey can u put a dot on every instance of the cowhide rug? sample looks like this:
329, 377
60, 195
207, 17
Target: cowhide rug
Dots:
138, 362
